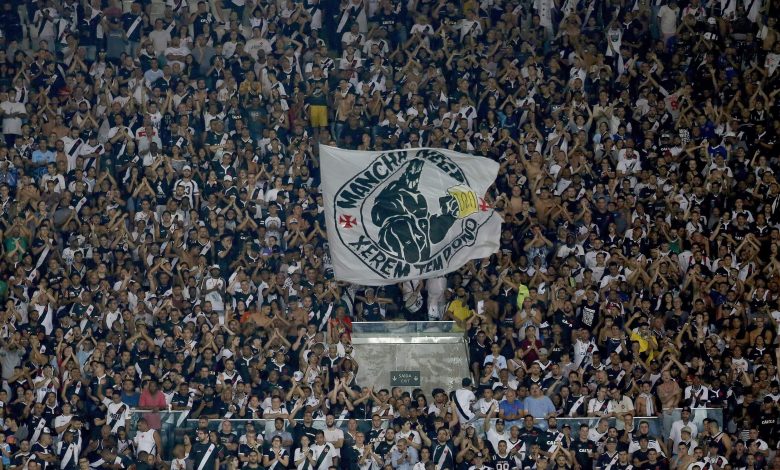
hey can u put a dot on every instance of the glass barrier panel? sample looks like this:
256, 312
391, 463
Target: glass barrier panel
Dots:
174, 425
404, 327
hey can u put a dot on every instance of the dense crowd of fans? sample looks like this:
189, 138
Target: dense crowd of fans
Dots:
164, 246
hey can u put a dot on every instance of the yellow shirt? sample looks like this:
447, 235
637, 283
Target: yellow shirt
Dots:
644, 345
522, 293
459, 310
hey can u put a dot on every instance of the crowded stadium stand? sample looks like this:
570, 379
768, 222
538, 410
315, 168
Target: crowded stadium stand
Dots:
169, 299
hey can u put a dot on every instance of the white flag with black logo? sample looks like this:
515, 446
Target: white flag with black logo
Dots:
406, 214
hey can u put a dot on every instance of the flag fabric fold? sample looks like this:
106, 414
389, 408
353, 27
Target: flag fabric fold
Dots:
398, 215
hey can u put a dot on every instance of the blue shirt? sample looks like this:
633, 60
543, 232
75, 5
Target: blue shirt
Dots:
510, 409
540, 407
717, 150
409, 458
132, 399
9, 177
41, 157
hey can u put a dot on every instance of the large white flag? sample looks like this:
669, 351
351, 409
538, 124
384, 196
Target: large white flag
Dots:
406, 214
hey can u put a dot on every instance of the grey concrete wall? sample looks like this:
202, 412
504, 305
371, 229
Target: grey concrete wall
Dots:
441, 359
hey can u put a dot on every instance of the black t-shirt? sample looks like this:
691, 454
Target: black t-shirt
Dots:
640, 455
372, 311
478, 352
739, 233
530, 436
108, 382
180, 400
200, 20
660, 464
201, 451
590, 315
768, 426
602, 220
582, 451
548, 439
300, 430
384, 448
503, 463
271, 456
227, 438
605, 459
386, 19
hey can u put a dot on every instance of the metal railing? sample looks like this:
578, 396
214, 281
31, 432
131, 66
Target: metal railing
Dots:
175, 424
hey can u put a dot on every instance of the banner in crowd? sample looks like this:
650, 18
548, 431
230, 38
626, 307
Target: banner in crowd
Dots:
406, 214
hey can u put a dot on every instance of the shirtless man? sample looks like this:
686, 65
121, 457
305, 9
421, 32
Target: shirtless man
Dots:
682, 459
516, 203
300, 315
544, 202
262, 319
669, 393
344, 101
534, 166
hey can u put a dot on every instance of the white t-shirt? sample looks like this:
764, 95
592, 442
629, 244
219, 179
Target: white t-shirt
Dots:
329, 451
332, 436
144, 441
215, 297
500, 362
298, 456
674, 433
12, 125
668, 17
117, 414
160, 40
494, 437
411, 436
190, 189
62, 420
464, 399
697, 398
595, 405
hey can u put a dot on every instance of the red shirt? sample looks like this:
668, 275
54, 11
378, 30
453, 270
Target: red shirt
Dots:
341, 325
149, 400
530, 354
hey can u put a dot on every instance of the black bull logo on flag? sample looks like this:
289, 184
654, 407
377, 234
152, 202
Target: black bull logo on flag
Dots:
407, 227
